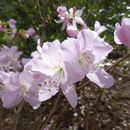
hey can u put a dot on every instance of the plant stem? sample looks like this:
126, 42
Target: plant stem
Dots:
16, 116
52, 111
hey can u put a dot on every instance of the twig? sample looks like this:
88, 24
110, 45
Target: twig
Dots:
119, 61
16, 117
108, 69
60, 117
52, 111
40, 13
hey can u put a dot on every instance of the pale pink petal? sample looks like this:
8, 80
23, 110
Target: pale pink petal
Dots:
101, 50
80, 11
70, 93
116, 34
62, 11
64, 25
47, 93
98, 28
79, 20
71, 62
12, 23
11, 99
71, 45
33, 100
86, 39
38, 46
72, 31
101, 78
125, 22
30, 31
51, 51
25, 78
39, 65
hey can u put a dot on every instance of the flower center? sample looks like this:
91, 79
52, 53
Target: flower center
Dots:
53, 81
86, 59
24, 90
1, 86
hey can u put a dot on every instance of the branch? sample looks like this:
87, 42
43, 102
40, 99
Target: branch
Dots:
17, 115
39, 9
52, 111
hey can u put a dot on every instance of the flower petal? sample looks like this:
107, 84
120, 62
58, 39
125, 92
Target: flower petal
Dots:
70, 93
101, 78
72, 31
33, 101
70, 61
79, 20
11, 99
45, 94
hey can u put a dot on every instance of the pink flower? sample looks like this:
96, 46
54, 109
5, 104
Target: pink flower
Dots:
90, 51
62, 12
12, 23
60, 67
2, 29
25, 36
30, 31
9, 58
13, 33
20, 86
76, 15
63, 15
71, 17
4, 79
122, 32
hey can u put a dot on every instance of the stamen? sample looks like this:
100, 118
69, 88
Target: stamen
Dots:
1, 86
53, 82
23, 90
86, 59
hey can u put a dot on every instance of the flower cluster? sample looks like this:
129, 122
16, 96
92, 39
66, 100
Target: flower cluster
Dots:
55, 66
70, 19
10, 29
9, 58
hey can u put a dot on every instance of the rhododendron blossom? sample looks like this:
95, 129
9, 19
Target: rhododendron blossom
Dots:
19, 86
10, 29
13, 31
12, 23
9, 58
70, 19
28, 33
56, 66
122, 32
90, 51
61, 69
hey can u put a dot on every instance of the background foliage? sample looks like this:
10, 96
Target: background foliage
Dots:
41, 15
